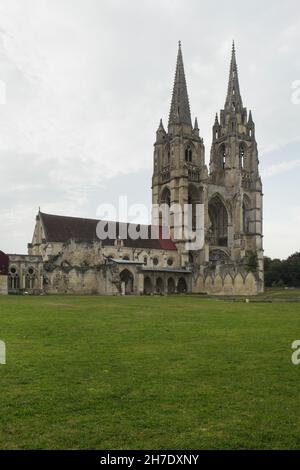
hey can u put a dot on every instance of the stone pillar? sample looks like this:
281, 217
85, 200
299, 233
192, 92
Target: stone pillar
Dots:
140, 284
123, 288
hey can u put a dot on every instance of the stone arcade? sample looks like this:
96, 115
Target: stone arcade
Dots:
66, 256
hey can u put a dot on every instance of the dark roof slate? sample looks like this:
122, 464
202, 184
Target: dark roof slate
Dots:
62, 229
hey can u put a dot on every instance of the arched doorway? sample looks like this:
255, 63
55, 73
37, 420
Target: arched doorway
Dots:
127, 279
159, 285
148, 289
219, 222
182, 286
171, 286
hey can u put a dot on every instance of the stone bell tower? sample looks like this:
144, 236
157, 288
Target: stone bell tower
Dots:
179, 162
235, 189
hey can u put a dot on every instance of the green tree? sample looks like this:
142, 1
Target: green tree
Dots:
252, 262
283, 272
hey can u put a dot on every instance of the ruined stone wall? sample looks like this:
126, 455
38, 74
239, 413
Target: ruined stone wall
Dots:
3, 285
103, 280
83, 268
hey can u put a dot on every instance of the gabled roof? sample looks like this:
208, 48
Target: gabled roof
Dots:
62, 229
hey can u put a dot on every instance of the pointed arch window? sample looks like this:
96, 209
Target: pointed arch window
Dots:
188, 154
246, 214
30, 278
218, 216
166, 196
242, 155
223, 155
166, 154
14, 279
14, 282
195, 197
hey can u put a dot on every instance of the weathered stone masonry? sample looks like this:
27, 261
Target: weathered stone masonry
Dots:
66, 256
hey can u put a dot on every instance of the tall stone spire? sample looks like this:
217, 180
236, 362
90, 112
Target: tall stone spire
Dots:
180, 108
234, 100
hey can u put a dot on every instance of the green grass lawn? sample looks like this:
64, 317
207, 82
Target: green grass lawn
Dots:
277, 293
136, 372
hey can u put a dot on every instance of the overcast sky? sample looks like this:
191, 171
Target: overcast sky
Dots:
88, 80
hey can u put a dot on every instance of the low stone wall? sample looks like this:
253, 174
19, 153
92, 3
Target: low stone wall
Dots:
3, 285
246, 284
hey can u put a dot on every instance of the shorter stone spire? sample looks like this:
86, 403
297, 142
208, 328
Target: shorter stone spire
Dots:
251, 126
180, 108
216, 128
160, 133
196, 130
234, 101
161, 126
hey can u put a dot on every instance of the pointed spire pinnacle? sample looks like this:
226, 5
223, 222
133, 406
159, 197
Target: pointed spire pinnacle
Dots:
234, 100
251, 126
161, 127
196, 130
217, 120
160, 133
180, 107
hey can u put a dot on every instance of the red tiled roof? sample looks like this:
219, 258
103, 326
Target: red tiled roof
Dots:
62, 229
4, 262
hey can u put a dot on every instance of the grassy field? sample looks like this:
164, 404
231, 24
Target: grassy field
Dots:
177, 372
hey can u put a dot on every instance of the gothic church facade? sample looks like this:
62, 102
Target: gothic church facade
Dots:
65, 255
